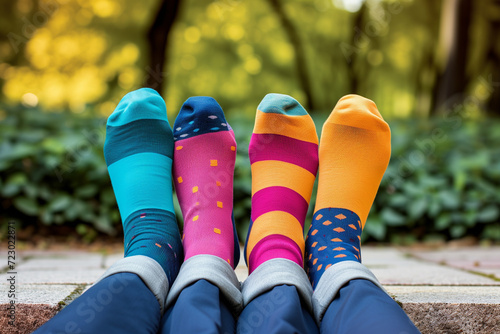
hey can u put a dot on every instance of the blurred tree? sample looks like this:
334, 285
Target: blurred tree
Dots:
356, 39
77, 55
491, 60
300, 58
426, 69
454, 50
158, 36
84, 55
16, 33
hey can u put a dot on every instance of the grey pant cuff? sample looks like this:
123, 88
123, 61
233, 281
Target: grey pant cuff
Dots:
213, 269
333, 279
277, 272
150, 272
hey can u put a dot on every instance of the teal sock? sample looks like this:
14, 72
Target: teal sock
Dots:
138, 152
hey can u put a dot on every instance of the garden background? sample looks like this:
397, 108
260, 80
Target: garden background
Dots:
432, 67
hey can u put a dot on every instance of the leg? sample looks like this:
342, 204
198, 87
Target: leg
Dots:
138, 152
284, 160
120, 303
200, 308
279, 310
354, 153
205, 154
361, 299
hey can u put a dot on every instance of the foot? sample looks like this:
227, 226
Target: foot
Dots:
205, 154
354, 152
284, 160
138, 152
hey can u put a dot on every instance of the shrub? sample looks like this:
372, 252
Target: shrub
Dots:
52, 171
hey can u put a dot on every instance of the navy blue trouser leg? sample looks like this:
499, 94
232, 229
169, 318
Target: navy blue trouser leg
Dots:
119, 303
199, 309
277, 311
363, 308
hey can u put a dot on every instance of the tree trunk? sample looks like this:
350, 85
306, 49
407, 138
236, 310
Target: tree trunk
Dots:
300, 58
158, 39
357, 41
456, 20
493, 78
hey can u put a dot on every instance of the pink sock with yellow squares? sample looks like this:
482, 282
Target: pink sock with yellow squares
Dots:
204, 158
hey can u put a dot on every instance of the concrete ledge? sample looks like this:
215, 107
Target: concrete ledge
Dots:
437, 318
35, 304
28, 317
430, 317
451, 309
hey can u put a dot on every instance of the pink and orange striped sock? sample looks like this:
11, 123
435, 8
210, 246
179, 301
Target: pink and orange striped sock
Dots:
204, 158
284, 160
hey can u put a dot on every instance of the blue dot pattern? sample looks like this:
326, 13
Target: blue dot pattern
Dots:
154, 233
334, 236
210, 120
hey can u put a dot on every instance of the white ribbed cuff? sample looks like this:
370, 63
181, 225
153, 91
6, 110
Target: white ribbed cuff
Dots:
277, 272
150, 271
213, 269
333, 279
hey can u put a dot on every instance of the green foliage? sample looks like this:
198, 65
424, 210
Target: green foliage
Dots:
52, 171
443, 180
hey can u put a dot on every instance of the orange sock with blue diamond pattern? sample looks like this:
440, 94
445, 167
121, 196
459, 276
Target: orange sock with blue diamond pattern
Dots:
354, 152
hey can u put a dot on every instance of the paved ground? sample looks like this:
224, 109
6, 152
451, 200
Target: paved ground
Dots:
443, 291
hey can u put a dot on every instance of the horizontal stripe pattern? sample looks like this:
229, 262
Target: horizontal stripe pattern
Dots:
272, 173
271, 198
283, 153
298, 127
283, 148
272, 223
274, 246
140, 136
125, 182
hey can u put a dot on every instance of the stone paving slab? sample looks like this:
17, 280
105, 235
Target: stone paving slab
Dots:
72, 262
111, 258
494, 273
427, 274
393, 267
241, 273
47, 294
81, 276
241, 269
482, 260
